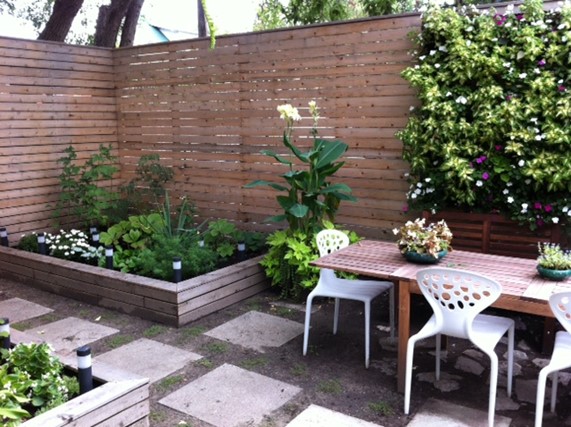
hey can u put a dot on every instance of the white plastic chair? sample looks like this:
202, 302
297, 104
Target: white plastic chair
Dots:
331, 286
457, 298
560, 304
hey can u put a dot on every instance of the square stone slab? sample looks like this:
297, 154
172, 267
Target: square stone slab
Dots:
257, 330
318, 416
438, 413
230, 396
148, 358
70, 333
16, 310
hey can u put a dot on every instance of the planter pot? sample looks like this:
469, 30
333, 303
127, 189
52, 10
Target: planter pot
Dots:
175, 304
550, 274
419, 258
121, 399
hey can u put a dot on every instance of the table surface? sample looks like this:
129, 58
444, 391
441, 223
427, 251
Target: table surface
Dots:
518, 276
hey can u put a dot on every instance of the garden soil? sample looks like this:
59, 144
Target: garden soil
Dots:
332, 375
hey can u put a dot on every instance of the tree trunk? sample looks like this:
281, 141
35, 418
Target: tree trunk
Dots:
130, 24
109, 21
201, 19
60, 21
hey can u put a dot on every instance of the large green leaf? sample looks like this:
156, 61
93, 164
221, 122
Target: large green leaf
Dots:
294, 149
277, 218
261, 182
330, 152
276, 156
334, 188
298, 210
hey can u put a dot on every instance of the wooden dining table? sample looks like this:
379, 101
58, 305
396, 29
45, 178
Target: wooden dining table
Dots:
523, 290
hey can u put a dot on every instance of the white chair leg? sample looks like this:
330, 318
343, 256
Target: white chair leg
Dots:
408, 374
493, 387
336, 316
554, 384
510, 359
392, 310
306, 325
367, 332
540, 396
437, 351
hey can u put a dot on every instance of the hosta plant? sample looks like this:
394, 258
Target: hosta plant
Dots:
492, 130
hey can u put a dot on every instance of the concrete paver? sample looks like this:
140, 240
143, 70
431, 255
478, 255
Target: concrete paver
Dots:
230, 396
70, 333
438, 413
147, 358
257, 330
318, 416
17, 309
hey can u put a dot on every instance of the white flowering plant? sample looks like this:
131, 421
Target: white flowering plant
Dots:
73, 245
416, 236
492, 133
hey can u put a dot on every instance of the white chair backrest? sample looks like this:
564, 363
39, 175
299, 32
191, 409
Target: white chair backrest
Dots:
457, 297
560, 304
329, 241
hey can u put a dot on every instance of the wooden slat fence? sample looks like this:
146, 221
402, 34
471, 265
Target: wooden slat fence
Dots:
51, 96
208, 113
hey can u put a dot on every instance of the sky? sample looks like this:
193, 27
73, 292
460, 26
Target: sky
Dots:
230, 16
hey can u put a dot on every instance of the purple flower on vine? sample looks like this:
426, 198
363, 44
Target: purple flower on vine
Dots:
499, 148
540, 222
547, 208
509, 98
519, 16
561, 88
405, 208
500, 19
537, 205
485, 176
541, 62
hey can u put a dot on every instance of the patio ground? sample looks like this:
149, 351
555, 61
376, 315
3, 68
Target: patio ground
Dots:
243, 366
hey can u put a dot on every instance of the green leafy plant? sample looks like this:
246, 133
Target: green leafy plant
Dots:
551, 256
31, 382
310, 195
29, 242
431, 239
492, 133
310, 201
80, 193
222, 237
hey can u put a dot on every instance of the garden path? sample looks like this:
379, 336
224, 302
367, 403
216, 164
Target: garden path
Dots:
243, 366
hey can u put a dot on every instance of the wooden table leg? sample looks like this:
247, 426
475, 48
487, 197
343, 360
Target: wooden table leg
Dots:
404, 331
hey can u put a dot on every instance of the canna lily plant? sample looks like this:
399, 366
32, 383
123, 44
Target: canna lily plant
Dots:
309, 201
309, 195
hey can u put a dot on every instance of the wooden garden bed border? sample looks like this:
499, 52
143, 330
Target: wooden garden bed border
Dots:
121, 399
174, 304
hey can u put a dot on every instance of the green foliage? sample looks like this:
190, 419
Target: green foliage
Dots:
147, 188
31, 382
288, 258
310, 195
156, 260
553, 257
492, 132
133, 233
29, 242
80, 193
222, 237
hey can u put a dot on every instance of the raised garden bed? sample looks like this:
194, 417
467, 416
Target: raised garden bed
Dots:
174, 304
120, 399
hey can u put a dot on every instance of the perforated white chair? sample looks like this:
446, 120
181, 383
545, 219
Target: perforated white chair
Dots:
331, 286
560, 304
457, 298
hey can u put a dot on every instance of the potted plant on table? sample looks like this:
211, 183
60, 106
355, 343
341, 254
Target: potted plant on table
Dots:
424, 244
553, 262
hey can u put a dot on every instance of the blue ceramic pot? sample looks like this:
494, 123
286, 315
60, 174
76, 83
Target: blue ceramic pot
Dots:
553, 274
419, 258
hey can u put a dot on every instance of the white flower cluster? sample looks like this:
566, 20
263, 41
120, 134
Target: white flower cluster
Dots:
289, 113
420, 189
73, 243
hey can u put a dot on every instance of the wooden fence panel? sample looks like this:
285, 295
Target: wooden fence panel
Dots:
51, 96
209, 113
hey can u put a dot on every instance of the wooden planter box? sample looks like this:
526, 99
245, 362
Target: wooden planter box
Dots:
174, 304
122, 399
495, 234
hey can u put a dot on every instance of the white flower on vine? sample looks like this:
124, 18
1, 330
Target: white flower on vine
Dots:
555, 220
461, 100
